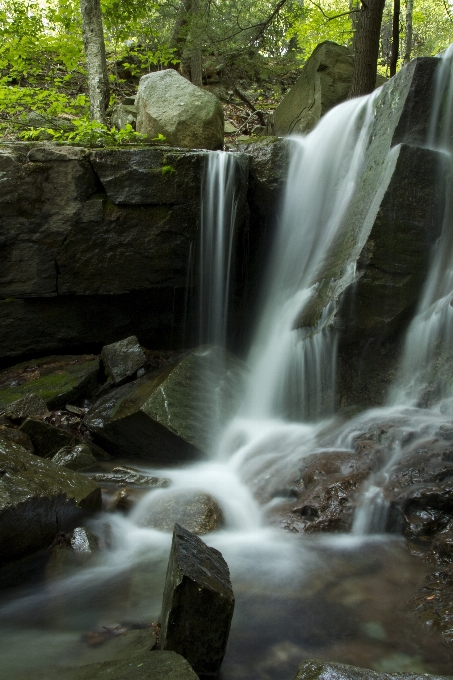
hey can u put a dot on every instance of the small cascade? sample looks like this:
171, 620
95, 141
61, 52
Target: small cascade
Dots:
217, 228
426, 374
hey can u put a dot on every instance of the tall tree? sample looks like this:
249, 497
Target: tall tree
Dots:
408, 39
93, 42
366, 48
395, 37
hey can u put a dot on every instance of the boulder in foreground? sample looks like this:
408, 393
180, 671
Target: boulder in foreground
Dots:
169, 105
172, 415
320, 670
122, 359
198, 603
37, 500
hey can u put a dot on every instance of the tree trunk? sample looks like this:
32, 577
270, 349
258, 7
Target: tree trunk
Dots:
93, 42
395, 38
408, 41
366, 48
196, 68
181, 28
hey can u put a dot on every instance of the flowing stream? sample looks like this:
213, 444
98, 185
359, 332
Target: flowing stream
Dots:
338, 597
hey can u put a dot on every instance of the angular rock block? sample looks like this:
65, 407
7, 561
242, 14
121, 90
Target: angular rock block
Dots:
122, 359
47, 439
324, 82
198, 603
37, 500
29, 405
320, 670
58, 380
173, 415
170, 105
77, 457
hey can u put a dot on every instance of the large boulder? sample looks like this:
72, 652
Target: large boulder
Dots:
37, 500
184, 114
58, 380
173, 414
122, 359
328, 670
198, 603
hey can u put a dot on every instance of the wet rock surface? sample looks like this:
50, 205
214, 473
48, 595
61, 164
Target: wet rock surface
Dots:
198, 603
47, 440
38, 499
171, 415
317, 670
122, 359
197, 512
130, 476
77, 457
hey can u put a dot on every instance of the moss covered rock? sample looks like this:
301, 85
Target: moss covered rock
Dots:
56, 379
37, 500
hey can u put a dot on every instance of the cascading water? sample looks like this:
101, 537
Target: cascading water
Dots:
295, 598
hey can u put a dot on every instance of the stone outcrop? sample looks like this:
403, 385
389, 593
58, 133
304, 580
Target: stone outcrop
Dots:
184, 114
196, 511
77, 457
122, 359
37, 500
327, 670
323, 83
47, 439
171, 415
198, 603
57, 380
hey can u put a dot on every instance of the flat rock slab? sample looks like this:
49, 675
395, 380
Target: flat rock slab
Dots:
37, 500
174, 414
198, 603
58, 380
122, 359
318, 670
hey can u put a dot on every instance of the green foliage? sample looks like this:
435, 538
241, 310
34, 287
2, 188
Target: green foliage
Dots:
325, 20
87, 133
168, 170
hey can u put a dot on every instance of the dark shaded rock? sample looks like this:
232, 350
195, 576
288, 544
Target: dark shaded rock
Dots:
326, 670
171, 415
70, 551
47, 439
136, 176
156, 665
77, 457
124, 499
124, 114
122, 359
56, 379
72, 322
29, 405
130, 476
37, 500
43, 154
198, 603
197, 512
186, 115
40, 202
433, 604
14, 435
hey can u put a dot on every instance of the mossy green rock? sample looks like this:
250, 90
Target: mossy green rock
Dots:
172, 415
56, 379
320, 670
38, 499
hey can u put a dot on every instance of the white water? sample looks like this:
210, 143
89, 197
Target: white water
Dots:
287, 412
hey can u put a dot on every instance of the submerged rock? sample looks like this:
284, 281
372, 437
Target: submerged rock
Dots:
155, 665
57, 380
320, 670
37, 500
196, 511
198, 603
122, 359
77, 457
174, 414
184, 114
